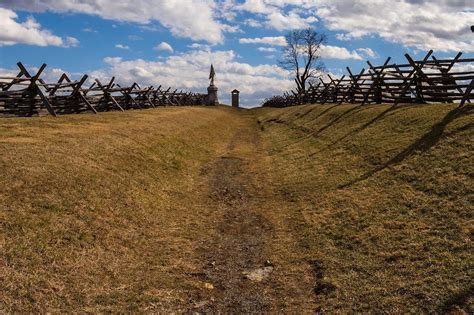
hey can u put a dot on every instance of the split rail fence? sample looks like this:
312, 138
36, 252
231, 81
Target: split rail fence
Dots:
429, 80
29, 95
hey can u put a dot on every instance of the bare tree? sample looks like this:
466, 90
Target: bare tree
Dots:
302, 56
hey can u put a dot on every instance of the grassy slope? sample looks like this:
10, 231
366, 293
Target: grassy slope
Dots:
382, 203
371, 207
102, 212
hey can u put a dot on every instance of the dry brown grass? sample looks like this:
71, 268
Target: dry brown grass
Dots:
103, 212
382, 203
361, 209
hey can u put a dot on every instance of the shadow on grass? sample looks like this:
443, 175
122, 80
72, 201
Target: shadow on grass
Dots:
388, 112
305, 113
383, 114
315, 133
422, 144
290, 113
345, 114
458, 300
295, 109
321, 113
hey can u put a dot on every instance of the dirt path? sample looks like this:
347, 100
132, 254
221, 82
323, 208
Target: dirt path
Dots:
234, 266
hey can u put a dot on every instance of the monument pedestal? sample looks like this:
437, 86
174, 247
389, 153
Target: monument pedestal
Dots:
212, 95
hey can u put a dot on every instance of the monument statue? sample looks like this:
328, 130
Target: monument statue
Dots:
212, 75
212, 89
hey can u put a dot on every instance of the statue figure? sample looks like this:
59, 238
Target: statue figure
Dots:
212, 89
212, 75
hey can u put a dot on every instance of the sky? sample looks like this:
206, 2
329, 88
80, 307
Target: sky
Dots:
173, 42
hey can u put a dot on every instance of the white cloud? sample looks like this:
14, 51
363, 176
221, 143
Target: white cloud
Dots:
164, 46
344, 37
266, 49
29, 32
256, 6
276, 16
367, 52
335, 52
441, 25
253, 23
112, 60
89, 30
327, 51
293, 20
189, 71
225, 9
71, 42
120, 46
463, 67
274, 41
199, 46
231, 28
195, 19
8, 73
150, 28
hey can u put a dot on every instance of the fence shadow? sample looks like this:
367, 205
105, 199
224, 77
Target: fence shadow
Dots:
278, 118
315, 133
459, 299
321, 113
357, 130
305, 113
422, 144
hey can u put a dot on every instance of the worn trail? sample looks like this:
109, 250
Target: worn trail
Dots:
249, 265
234, 266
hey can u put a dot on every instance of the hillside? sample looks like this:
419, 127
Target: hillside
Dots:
344, 208
383, 202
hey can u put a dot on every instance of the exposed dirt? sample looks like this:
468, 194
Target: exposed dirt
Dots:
234, 268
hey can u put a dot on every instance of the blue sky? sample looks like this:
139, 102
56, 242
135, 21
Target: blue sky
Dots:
173, 42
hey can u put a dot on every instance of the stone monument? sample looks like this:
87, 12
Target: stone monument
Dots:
212, 89
235, 98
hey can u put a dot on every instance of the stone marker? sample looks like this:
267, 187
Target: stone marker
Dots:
235, 98
212, 89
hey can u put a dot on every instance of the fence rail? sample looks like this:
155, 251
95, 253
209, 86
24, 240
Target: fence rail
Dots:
418, 81
29, 95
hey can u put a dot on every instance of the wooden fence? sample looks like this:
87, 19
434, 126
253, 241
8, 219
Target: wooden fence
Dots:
429, 80
28, 95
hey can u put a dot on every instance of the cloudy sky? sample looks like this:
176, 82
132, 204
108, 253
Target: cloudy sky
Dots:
173, 42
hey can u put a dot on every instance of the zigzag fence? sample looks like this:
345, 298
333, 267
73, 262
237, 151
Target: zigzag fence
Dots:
29, 95
429, 80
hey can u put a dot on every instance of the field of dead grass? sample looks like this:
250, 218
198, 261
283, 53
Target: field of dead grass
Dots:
364, 209
99, 212
382, 203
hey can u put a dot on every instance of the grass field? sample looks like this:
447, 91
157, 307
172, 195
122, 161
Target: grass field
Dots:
383, 202
356, 208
